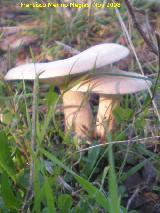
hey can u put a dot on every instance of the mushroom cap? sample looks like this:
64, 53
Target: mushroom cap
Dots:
25, 71
114, 83
95, 57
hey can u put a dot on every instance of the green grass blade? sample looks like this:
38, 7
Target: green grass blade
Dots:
114, 201
49, 196
87, 186
6, 162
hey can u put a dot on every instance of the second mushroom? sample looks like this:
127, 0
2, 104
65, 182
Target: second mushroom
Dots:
110, 87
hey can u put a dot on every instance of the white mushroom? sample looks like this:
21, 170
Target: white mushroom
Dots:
110, 88
95, 57
77, 110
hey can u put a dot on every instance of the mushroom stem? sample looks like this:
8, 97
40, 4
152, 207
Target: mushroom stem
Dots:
1, 116
78, 114
105, 121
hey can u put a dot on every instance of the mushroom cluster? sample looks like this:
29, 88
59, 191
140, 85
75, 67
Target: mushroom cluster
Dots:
80, 75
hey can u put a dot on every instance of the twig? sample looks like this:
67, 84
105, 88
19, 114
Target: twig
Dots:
140, 30
89, 18
68, 48
62, 182
128, 38
158, 76
132, 197
140, 140
16, 29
